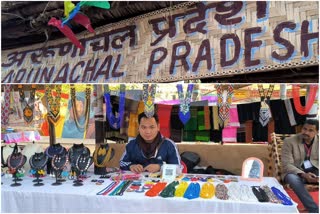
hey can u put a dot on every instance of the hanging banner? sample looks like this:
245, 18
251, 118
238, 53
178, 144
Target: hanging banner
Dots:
188, 41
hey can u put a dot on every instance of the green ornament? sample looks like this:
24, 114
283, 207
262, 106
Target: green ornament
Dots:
101, 4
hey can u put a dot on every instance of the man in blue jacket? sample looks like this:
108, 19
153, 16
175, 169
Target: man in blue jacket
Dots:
149, 150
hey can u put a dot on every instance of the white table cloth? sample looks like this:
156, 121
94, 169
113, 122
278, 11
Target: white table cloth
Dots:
68, 198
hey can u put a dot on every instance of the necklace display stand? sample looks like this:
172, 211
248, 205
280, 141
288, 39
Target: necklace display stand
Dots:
82, 165
101, 157
52, 150
15, 162
74, 152
37, 162
58, 163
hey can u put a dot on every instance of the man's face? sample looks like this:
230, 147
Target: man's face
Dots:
148, 129
308, 132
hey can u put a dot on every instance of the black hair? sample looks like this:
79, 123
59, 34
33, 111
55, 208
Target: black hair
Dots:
142, 115
312, 122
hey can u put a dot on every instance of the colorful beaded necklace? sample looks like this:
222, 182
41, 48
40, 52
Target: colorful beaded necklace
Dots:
53, 104
224, 106
115, 121
27, 106
303, 110
265, 113
148, 99
184, 113
76, 117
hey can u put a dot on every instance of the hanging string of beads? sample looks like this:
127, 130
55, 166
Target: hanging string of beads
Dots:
148, 98
76, 116
27, 106
265, 113
184, 112
53, 104
303, 110
115, 121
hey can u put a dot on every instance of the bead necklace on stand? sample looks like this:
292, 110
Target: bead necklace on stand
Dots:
59, 162
83, 163
75, 151
15, 161
55, 149
38, 161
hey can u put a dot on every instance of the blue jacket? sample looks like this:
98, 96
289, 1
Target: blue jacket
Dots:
168, 153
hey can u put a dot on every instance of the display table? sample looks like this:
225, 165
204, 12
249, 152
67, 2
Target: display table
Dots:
23, 136
68, 198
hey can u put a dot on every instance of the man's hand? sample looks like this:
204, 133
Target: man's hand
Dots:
152, 168
137, 168
310, 177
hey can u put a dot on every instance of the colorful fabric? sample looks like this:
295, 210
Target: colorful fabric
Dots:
203, 136
164, 112
215, 117
192, 124
5, 108
201, 125
229, 134
133, 121
207, 118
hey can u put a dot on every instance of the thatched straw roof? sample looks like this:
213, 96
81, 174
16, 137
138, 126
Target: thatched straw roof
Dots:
25, 22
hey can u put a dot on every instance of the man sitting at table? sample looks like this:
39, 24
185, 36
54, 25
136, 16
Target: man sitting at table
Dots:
300, 162
149, 150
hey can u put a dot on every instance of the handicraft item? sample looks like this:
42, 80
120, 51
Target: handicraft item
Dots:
53, 104
148, 99
115, 121
184, 112
224, 106
74, 152
303, 110
101, 156
6, 106
15, 162
83, 163
81, 127
37, 162
265, 113
58, 163
27, 106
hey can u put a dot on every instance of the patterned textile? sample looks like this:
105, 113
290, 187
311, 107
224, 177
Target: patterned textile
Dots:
184, 113
148, 99
265, 113
164, 112
224, 105
203, 136
207, 118
6, 106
